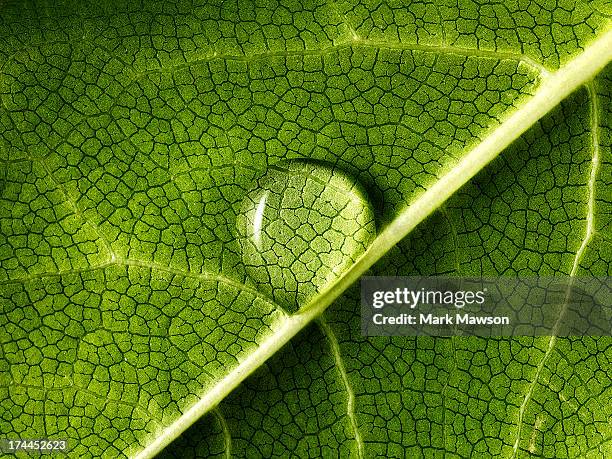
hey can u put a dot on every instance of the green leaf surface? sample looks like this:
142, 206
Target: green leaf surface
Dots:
333, 390
130, 136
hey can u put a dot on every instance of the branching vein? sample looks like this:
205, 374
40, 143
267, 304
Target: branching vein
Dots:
350, 402
227, 436
588, 235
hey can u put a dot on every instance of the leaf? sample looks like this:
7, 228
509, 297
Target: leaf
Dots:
330, 389
130, 137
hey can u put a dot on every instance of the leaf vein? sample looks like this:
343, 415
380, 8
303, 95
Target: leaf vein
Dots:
227, 436
350, 402
588, 235
153, 266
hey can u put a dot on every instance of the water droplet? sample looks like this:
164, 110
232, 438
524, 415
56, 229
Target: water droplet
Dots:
301, 227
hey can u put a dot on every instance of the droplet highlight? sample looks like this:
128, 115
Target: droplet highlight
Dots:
300, 227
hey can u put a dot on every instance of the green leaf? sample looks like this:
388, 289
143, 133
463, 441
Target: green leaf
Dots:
129, 138
330, 389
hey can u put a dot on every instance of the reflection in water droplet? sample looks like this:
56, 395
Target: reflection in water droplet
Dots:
301, 227
258, 220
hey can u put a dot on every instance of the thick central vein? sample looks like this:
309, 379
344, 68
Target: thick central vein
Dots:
554, 89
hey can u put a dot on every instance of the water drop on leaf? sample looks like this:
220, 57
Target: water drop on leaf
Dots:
301, 226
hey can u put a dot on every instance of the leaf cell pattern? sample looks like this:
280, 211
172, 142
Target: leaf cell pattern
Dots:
300, 228
466, 397
130, 135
